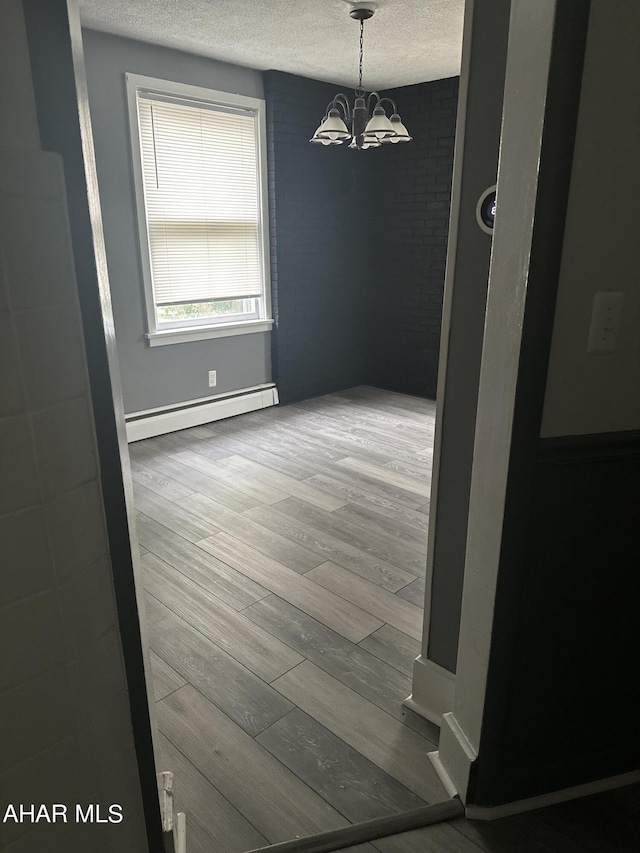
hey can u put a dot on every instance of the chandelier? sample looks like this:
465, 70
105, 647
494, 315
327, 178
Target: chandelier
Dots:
365, 125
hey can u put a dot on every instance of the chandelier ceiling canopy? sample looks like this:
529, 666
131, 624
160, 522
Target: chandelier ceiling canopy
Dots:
365, 124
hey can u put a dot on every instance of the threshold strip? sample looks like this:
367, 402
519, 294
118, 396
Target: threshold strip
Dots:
369, 830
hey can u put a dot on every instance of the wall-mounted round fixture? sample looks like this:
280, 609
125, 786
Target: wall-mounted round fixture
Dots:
486, 210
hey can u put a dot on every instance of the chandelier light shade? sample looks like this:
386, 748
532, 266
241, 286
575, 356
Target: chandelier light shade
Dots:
401, 134
365, 124
379, 125
333, 127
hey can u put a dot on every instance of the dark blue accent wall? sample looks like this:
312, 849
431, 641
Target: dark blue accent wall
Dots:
358, 242
319, 246
564, 659
410, 226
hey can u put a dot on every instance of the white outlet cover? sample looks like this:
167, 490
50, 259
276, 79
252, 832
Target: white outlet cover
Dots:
212, 379
605, 321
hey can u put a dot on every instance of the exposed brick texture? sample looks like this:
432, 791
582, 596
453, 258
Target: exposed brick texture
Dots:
358, 242
318, 245
411, 224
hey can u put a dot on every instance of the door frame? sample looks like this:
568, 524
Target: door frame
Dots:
54, 37
507, 426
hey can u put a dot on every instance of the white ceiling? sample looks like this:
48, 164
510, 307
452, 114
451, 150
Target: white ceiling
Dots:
407, 41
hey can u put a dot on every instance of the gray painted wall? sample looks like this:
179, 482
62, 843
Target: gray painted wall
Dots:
158, 376
563, 626
585, 393
469, 252
20, 125
591, 393
64, 708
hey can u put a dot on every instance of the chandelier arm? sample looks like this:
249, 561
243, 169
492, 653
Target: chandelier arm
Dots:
372, 95
392, 102
342, 101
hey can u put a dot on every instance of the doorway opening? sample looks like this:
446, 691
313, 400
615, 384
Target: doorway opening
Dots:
284, 550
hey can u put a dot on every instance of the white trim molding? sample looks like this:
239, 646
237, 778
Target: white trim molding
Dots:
438, 766
194, 333
456, 755
552, 798
433, 690
196, 412
180, 833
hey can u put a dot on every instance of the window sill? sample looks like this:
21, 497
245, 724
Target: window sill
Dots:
203, 333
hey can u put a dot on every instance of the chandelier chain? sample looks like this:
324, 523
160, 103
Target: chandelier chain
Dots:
365, 123
361, 53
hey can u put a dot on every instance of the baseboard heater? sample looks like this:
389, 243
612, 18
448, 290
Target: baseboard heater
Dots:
370, 830
193, 413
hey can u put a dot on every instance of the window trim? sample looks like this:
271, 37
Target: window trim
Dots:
155, 335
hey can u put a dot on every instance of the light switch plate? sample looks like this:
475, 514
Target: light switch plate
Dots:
605, 321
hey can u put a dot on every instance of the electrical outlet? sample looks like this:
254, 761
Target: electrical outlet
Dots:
605, 322
212, 379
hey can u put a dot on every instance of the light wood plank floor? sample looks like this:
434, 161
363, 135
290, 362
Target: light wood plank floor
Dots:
284, 554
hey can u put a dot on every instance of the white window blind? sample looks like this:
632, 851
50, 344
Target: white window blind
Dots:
200, 174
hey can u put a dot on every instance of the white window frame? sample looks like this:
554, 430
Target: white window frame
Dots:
186, 331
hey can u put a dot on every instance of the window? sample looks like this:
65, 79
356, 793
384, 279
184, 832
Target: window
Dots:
199, 170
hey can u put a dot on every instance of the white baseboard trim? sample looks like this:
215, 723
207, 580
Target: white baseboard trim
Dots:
433, 689
180, 833
195, 413
166, 800
552, 798
438, 766
456, 754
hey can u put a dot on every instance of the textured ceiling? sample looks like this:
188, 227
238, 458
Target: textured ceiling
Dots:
407, 41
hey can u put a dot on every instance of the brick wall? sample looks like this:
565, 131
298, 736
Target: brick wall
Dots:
358, 243
411, 225
319, 245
